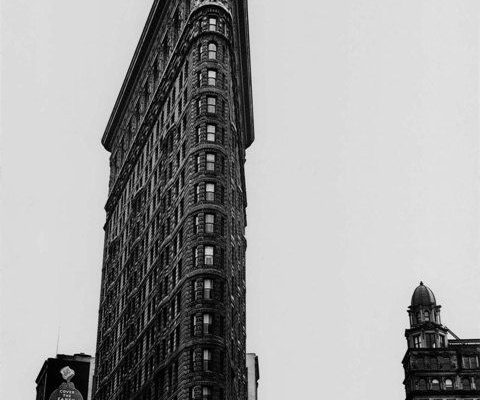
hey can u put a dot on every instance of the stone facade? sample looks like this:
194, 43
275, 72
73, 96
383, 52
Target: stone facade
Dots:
172, 306
436, 367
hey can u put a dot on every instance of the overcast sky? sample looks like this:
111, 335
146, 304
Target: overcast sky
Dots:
363, 180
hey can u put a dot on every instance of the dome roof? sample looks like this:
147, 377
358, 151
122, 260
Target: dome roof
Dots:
423, 296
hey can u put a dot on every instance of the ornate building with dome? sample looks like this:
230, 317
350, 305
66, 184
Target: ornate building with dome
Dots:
438, 365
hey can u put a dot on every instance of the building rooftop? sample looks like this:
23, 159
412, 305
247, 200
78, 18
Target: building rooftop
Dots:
423, 296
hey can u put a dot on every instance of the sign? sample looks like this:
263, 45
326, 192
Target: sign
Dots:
67, 390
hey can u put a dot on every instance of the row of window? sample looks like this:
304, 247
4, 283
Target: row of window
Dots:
447, 384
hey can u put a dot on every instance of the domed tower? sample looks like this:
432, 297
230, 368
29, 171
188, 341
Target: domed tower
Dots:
436, 367
426, 329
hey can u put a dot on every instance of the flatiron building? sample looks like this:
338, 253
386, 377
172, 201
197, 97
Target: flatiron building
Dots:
172, 304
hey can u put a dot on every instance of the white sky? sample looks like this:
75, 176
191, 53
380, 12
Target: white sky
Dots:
363, 180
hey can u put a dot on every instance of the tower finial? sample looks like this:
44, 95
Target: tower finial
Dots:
421, 283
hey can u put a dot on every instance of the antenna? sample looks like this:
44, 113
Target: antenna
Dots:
58, 339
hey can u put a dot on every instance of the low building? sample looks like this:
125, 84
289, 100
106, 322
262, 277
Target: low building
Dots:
66, 377
253, 375
438, 365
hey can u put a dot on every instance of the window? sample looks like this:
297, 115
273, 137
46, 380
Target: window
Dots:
212, 51
194, 324
199, 134
197, 224
211, 132
199, 78
210, 191
422, 384
442, 340
470, 362
209, 255
206, 393
435, 385
211, 105
426, 316
417, 341
199, 163
197, 257
448, 384
212, 77
207, 289
207, 323
212, 24
197, 193
430, 340
207, 360
210, 162
199, 106
192, 393
209, 223
419, 317
466, 385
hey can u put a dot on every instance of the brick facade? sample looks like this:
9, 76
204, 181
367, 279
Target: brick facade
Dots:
172, 307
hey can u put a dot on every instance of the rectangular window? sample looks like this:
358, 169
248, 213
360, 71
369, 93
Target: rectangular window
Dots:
197, 256
211, 105
207, 289
212, 24
209, 223
207, 360
210, 192
207, 323
211, 133
416, 341
470, 362
199, 163
209, 251
210, 162
212, 51
197, 224
197, 193
212, 77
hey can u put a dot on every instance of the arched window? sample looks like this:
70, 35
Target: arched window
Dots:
212, 51
477, 383
422, 384
448, 384
435, 384
426, 316
466, 385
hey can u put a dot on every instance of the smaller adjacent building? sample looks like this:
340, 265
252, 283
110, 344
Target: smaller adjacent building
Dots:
66, 377
436, 366
253, 375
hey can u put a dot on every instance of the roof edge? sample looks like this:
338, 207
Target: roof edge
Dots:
129, 82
